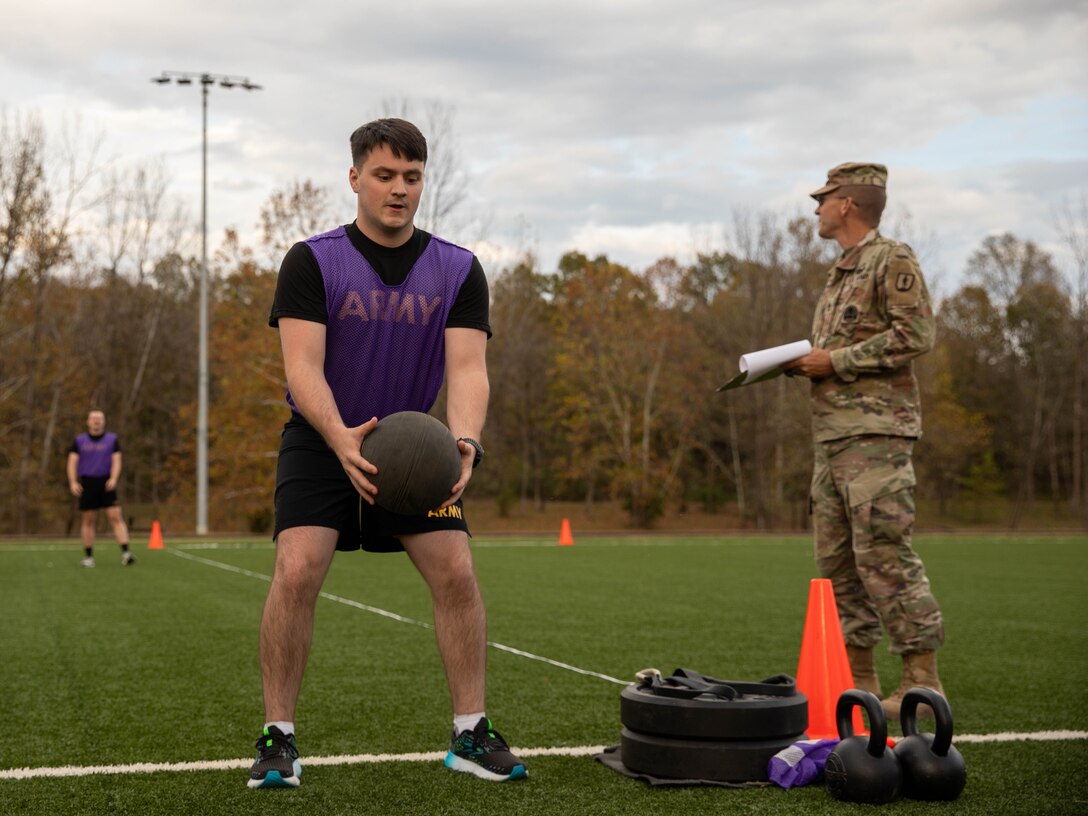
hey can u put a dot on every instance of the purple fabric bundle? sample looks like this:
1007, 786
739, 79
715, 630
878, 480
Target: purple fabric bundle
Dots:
801, 763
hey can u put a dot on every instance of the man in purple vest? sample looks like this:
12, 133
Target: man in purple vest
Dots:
372, 317
94, 467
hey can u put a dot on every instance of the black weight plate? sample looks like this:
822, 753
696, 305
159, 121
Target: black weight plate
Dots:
750, 716
717, 760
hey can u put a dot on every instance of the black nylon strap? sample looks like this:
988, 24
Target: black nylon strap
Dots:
688, 683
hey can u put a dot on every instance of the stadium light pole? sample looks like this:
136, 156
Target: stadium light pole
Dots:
206, 80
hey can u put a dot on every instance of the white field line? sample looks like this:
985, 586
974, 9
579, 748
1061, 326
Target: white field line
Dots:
401, 618
1031, 736
239, 764
426, 756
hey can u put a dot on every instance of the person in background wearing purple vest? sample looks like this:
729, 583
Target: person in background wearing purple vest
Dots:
94, 467
372, 317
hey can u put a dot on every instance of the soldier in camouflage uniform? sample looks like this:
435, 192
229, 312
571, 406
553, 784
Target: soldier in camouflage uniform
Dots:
873, 318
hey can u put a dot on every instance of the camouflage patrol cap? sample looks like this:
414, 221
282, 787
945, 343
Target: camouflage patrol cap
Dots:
853, 173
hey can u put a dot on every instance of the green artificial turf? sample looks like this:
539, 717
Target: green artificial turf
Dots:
157, 663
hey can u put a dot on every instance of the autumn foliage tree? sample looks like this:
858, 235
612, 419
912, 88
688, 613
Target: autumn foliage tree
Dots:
522, 416
603, 377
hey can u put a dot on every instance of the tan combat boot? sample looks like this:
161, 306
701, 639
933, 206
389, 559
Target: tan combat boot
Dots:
919, 669
863, 667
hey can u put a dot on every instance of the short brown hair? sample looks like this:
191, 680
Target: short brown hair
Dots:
402, 137
868, 198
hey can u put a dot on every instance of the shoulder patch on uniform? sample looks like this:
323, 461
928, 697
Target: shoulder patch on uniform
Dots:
904, 280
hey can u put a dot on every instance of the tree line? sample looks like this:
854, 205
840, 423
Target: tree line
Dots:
603, 377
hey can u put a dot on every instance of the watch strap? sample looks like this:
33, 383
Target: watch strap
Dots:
478, 447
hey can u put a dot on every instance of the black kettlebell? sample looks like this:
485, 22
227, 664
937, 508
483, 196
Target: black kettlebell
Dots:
932, 767
860, 769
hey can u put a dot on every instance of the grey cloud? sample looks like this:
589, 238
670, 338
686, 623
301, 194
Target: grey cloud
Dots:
1046, 179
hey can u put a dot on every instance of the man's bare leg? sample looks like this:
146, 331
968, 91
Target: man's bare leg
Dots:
444, 560
303, 556
86, 533
117, 522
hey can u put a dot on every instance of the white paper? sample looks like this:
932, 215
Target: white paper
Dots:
757, 366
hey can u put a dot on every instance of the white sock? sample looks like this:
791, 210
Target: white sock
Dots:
466, 722
287, 728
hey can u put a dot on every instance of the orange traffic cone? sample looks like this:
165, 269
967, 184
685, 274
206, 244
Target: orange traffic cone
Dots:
156, 536
823, 672
565, 537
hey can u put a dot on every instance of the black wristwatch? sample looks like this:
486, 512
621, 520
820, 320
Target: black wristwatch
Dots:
479, 450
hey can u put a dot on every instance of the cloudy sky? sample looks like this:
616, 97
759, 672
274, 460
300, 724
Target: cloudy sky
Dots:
631, 128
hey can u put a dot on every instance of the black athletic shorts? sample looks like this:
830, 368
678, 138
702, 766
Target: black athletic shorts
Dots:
95, 496
312, 490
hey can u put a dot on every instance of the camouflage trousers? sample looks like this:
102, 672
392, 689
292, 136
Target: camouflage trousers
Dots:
862, 513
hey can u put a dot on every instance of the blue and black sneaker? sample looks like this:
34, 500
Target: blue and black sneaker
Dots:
484, 753
277, 764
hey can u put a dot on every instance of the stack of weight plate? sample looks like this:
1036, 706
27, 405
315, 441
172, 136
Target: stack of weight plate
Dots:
689, 726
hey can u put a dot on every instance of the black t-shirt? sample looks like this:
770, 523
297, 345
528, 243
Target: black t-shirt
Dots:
300, 289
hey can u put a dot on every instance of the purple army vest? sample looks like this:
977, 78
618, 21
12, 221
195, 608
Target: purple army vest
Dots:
384, 345
95, 455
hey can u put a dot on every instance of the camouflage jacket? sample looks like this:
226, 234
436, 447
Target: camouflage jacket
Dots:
874, 316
